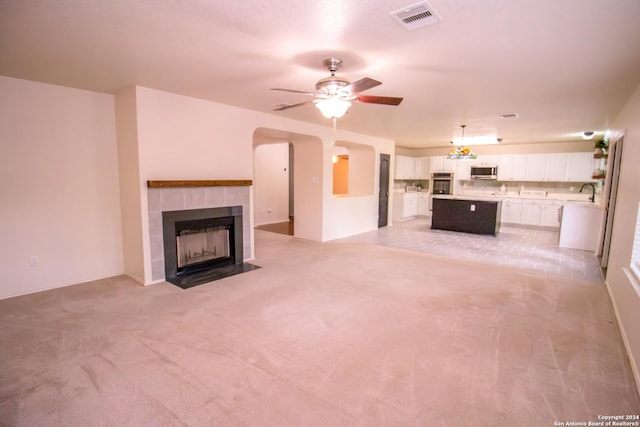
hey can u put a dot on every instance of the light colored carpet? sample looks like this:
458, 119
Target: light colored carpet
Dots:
333, 334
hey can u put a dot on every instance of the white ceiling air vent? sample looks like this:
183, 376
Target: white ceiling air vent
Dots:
415, 16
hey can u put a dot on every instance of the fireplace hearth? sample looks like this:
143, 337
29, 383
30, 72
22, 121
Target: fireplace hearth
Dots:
203, 245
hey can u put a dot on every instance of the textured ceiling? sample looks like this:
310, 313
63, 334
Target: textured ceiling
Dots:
564, 66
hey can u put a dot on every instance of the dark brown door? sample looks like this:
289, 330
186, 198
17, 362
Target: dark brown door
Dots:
383, 196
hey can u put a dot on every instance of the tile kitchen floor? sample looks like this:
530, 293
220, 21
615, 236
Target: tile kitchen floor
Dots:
532, 249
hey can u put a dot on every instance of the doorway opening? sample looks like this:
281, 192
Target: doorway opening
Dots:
274, 187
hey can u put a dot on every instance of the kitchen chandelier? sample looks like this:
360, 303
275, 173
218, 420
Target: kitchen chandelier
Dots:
463, 152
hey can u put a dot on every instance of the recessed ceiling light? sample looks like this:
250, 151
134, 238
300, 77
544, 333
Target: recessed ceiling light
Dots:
587, 134
509, 116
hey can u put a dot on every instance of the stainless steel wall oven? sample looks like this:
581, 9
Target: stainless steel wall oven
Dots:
441, 183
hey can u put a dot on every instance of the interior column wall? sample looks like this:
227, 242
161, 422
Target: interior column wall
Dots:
623, 286
130, 187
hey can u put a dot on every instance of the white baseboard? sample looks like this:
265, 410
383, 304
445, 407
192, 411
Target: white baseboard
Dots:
61, 285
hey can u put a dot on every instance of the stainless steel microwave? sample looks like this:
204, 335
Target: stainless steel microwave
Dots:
484, 172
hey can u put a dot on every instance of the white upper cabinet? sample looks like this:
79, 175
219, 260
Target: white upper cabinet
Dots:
463, 169
423, 168
405, 167
442, 164
484, 159
536, 167
512, 167
412, 167
580, 167
556, 167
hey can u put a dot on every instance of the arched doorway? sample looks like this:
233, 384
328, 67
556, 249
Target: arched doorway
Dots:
302, 156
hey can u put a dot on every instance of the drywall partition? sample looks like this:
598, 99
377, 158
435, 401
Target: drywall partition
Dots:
624, 288
133, 228
362, 167
59, 199
307, 178
356, 212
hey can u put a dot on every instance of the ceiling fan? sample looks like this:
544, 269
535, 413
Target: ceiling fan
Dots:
334, 95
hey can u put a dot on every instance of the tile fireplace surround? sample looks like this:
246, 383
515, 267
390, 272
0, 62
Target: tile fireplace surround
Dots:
193, 197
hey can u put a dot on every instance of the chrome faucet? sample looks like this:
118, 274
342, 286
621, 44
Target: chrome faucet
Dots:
593, 191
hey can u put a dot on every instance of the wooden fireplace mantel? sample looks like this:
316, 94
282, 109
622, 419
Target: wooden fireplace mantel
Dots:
200, 183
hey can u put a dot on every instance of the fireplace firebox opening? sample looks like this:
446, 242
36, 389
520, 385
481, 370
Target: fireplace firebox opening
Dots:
203, 245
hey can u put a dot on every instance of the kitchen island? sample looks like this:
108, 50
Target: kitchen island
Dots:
458, 213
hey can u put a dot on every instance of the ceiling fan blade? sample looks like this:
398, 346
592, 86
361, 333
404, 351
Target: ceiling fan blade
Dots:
386, 100
287, 106
363, 84
294, 91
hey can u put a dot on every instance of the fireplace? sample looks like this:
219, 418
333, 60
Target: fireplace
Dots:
203, 245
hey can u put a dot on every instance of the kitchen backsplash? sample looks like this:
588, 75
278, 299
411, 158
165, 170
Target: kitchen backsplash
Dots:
479, 187
495, 186
401, 185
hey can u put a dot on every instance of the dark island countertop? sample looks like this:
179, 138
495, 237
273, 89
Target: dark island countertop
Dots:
466, 215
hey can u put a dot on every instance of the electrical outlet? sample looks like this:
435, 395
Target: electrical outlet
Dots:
33, 260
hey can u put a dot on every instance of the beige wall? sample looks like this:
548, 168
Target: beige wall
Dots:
623, 287
73, 178
59, 197
179, 137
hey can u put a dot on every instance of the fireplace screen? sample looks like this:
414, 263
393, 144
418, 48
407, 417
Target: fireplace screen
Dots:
201, 245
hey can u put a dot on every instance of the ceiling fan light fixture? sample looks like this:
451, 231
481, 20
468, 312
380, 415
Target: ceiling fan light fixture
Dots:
333, 107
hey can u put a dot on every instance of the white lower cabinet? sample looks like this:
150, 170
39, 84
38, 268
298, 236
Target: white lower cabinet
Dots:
410, 205
536, 212
541, 213
531, 211
423, 204
511, 212
405, 206
550, 216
